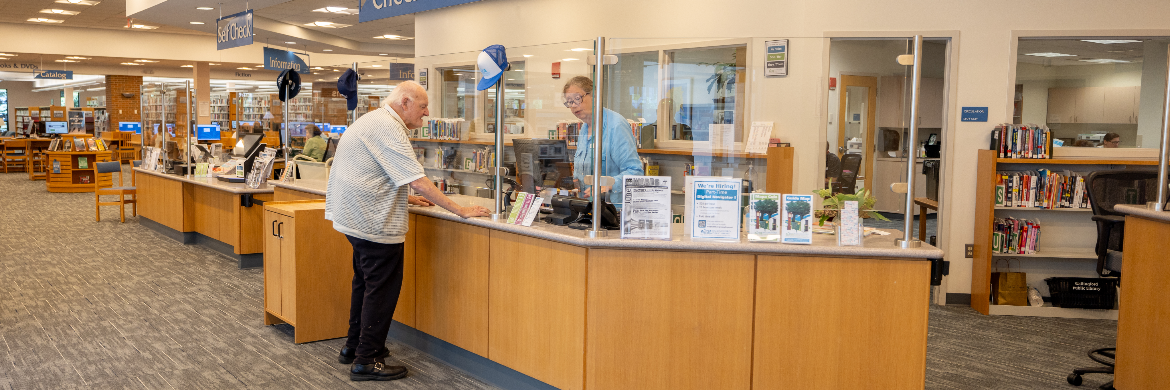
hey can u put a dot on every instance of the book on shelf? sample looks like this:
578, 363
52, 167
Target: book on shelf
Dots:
443, 129
1021, 141
91, 144
1043, 188
1015, 236
78, 145
82, 163
569, 131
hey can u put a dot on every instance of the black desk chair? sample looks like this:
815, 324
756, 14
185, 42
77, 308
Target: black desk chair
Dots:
1106, 190
847, 182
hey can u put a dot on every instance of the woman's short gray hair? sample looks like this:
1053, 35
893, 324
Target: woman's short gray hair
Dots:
585, 83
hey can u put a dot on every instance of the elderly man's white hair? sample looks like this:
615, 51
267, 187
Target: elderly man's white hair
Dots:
407, 89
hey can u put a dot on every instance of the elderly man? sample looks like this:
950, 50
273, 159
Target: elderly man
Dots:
366, 199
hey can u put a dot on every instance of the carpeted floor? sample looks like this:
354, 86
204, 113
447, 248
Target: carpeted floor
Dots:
108, 305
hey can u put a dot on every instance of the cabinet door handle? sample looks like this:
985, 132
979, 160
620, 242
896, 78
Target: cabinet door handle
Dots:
280, 228
274, 228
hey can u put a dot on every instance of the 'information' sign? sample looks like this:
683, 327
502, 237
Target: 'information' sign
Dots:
276, 59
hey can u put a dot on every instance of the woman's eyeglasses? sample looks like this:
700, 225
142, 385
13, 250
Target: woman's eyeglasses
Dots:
574, 100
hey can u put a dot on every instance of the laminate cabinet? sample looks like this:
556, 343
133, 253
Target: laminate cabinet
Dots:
893, 103
887, 171
1118, 105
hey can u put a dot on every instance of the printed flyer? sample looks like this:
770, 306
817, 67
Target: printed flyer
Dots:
764, 217
797, 215
712, 207
646, 207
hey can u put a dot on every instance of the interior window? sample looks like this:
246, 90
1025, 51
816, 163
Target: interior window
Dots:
458, 92
702, 88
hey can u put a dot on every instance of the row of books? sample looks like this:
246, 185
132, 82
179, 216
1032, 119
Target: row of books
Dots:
568, 131
1015, 236
525, 209
636, 127
1020, 141
1042, 188
442, 128
78, 145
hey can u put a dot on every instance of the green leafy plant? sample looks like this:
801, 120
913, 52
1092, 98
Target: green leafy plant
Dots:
863, 197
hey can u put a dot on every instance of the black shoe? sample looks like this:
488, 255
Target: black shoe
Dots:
348, 354
378, 371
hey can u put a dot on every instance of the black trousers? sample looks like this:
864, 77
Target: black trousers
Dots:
377, 282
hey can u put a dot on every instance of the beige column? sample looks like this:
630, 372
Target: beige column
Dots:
202, 77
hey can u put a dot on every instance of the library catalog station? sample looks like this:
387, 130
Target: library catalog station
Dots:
517, 194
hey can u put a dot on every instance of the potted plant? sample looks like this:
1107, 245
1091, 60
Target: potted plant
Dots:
834, 202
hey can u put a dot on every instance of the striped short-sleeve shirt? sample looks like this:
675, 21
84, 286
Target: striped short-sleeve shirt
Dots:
368, 184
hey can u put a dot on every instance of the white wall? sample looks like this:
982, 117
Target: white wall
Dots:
20, 95
983, 37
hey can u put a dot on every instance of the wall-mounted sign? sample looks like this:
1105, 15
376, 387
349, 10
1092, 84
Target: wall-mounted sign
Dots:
422, 78
776, 63
381, 9
279, 60
233, 30
974, 114
56, 74
401, 72
28, 67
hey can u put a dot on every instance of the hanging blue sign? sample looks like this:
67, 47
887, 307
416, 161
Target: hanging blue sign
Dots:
279, 60
381, 9
974, 114
401, 72
233, 30
56, 75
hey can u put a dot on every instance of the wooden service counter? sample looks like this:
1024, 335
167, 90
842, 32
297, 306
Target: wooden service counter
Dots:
581, 313
222, 216
1143, 341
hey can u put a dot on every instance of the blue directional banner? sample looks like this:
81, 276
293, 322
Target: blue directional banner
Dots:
233, 30
401, 72
381, 9
56, 75
276, 59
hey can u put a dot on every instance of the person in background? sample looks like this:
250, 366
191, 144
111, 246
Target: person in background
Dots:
366, 199
832, 167
1112, 140
619, 148
315, 146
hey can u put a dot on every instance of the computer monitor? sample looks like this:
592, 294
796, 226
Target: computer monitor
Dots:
330, 149
130, 126
245, 143
207, 132
536, 162
337, 129
57, 127
297, 129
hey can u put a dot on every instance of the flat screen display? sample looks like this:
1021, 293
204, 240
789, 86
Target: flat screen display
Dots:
337, 129
57, 127
207, 132
130, 126
297, 129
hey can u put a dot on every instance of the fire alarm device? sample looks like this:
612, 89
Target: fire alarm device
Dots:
556, 70
832, 83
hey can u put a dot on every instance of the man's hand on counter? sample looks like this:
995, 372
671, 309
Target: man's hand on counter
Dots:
419, 201
434, 196
473, 211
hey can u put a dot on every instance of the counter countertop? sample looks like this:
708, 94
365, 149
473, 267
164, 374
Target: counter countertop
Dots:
824, 245
235, 188
315, 187
1142, 211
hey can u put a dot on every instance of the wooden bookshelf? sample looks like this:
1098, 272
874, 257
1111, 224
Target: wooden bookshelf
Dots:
70, 177
1067, 245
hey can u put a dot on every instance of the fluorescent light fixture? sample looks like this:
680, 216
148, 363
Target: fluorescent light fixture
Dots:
393, 37
7, 55
383, 54
569, 59
327, 50
527, 55
145, 61
337, 10
291, 43
1105, 61
1110, 41
77, 58
375, 66
196, 22
580, 49
131, 63
205, 8
335, 70
44, 20
244, 68
59, 12
78, 2
96, 89
317, 68
187, 66
327, 25
143, 27
1050, 55
66, 61
209, 63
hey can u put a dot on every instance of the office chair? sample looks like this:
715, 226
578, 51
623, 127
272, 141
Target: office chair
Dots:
847, 182
1107, 189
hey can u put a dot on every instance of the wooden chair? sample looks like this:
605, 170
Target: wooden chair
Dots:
15, 154
38, 160
121, 191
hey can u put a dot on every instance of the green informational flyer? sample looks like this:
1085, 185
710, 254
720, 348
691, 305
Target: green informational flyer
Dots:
764, 217
516, 206
82, 163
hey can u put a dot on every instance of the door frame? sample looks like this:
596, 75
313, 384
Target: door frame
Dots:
870, 82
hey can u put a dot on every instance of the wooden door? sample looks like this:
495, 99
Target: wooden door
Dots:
867, 121
1090, 105
272, 288
286, 230
1062, 104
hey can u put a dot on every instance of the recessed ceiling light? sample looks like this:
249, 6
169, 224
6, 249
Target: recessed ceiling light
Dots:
78, 2
244, 68
376, 66
580, 49
511, 79
196, 22
327, 25
145, 61
209, 63
327, 50
335, 70
77, 58
7, 55
569, 59
527, 55
65, 61
383, 54
187, 66
317, 68
44, 20
204, 8
59, 12
337, 10
143, 27
1105, 61
131, 63
1050, 55
291, 43
1110, 41
393, 37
